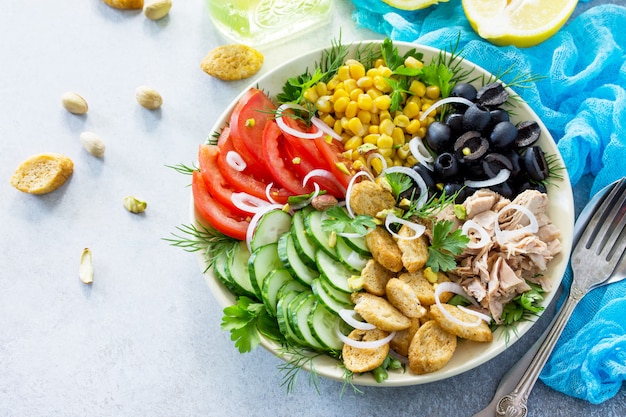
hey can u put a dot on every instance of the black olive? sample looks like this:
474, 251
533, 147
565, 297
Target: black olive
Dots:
470, 147
426, 174
494, 162
527, 185
516, 165
505, 189
446, 166
535, 163
503, 135
455, 122
450, 188
527, 133
476, 117
492, 95
499, 115
438, 137
464, 90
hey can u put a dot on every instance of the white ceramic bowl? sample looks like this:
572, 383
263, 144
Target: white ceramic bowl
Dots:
468, 354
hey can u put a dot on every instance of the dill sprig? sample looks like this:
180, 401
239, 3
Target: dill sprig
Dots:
183, 169
192, 238
299, 359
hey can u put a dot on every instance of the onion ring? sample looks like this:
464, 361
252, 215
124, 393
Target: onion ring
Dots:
420, 152
417, 178
502, 236
247, 202
290, 130
502, 176
370, 344
235, 161
255, 221
442, 102
456, 289
319, 123
391, 218
484, 236
348, 316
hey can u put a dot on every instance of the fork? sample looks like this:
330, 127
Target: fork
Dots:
595, 262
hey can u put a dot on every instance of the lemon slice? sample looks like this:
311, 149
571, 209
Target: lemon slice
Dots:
521, 23
412, 4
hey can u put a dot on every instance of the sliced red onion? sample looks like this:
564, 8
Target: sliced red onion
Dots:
370, 344
502, 176
255, 221
456, 289
376, 155
290, 130
349, 317
417, 178
484, 236
418, 229
235, 161
420, 152
349, 190
319, 123
442, 102
502, 236
247, 202
268, 193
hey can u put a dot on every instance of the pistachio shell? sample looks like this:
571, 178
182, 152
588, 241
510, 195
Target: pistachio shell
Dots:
148, 97
74, 103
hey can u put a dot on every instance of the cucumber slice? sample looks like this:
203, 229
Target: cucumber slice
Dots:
300, 319
324, 324
282, 317
291, 286
334, 272
271, 226
295, 265
237, 271
321, 238
339, 296
358, 245
262, 261
323, 297
272, 284
305, 247
220, 270
349, 257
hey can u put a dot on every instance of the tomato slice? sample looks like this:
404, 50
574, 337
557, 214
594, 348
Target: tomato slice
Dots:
273, 141
215, 182
219, 217
248, 120
332, 153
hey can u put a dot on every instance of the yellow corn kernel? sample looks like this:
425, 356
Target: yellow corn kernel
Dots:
384, 114
365, 102
341, 104
310, 94
385, 71
421, 132
381, 84
413, 127
372, 138
323, 104
358, 164
383, 102
356, 69
411, 109
377, 165
344, 122
364, 82
347, 155
364, 116
338, 93
384, 142
375, 120
349, 84
328, 119
398, 137
397, 162
343, 72
332, 83
373, 129
374, 93
389, 161
322, 89
352, 109
403, 151
425, 108
386, 127
356, 126
355, 93
372, 72
401, 120
411, 160
356, 154
379, 63
337, 127
418, 88
433, 92
412, 62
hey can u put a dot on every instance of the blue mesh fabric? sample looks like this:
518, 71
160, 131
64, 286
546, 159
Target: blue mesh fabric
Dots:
582, 101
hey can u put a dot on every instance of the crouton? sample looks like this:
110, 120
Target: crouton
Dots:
431, 348
368, 197
384, 249
423, 288
375, 277
414, 251
480, 333
379, 312
42, 173
402, 296
364, 359
402, 339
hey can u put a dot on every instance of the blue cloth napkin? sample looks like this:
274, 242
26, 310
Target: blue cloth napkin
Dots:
582, 101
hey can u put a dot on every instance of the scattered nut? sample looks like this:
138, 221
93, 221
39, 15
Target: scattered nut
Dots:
92, 144
125, 4
134, 205
232, 62
158, 9
74, 103
85, 269
148, 97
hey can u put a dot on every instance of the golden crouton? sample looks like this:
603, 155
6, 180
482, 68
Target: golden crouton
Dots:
365, 359
480, 333
402, 339
384, 249
42, 173
368, 197
414, 251
423, 288
379, 312
431, 348
232, 62
402, 296
375, 277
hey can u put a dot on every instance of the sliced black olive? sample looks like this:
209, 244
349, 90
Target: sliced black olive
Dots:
464, 90
470, 147
494, 162
492, 95
535, 163
446, 166
455, 123
527, 185
499, 115
438, 137
528, 133
451, 188
503, 135
505, 189
516, 164
476, 117
426, 174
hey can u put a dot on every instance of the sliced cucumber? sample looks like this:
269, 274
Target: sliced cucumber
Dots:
220, 270
291, 286
324, 297
334, 272
262, 261
290, 314
324, 324
305, 247
339, 296
282, 317
272, 284
270, 227
313, 224
295, 265
237, 271
349, 257
300, 319
358, 245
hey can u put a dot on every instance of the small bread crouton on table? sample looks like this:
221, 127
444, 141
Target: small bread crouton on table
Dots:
414, 251
431, 348
368, 197
384, 249
232, 62
365, 359
379, 312
480, 333
375, 277
42, 173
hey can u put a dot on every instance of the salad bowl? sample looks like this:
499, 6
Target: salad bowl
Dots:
468, 354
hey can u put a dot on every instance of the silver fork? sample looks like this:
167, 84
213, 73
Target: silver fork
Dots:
595, 262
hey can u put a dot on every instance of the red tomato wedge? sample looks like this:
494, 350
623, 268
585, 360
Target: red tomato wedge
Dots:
332, 153
214, 181
273, 142
248, 120
219, 217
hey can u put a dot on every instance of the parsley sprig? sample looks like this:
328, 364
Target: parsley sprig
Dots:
247, 320
339, 221
445, 244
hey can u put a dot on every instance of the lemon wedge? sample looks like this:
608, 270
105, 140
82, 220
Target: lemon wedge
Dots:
522, 23
412, 4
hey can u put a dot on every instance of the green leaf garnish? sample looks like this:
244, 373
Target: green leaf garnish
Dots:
244, 320
399, 183
445, 244
339, 221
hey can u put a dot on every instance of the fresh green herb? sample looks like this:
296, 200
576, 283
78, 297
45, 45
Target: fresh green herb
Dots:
297, 199
399, 183
433, 206
523, 307
399, 89
298, 360
203, 238
381, 374
395, 61
439, 75
246, 320
183, 169
445, 244
339, 221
